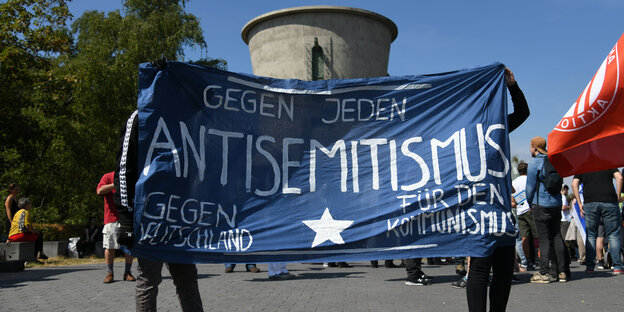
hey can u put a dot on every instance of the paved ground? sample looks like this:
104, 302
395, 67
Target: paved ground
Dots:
360, 288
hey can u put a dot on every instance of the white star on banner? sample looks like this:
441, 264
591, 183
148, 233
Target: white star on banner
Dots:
327, 228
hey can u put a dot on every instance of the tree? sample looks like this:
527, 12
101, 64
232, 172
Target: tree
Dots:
32, 35
75, 90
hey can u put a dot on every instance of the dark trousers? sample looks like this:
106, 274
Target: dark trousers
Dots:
184, 278
501, 262
548, 224
413, 267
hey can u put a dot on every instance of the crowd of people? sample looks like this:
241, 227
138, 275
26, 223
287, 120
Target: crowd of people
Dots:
548, 235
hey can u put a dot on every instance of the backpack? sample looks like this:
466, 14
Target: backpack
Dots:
551, 178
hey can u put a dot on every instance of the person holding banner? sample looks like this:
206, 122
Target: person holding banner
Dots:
601, 202
149, 271
501, 262
546, 207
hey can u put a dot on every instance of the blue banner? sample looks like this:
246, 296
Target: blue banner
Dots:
245, 169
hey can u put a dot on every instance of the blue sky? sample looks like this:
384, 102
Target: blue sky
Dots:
554, 47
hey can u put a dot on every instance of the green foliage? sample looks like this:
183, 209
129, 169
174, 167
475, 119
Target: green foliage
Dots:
66, 94
60, 232
32, 35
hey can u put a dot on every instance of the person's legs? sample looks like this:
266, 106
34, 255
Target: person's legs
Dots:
109, 243
251, 267
229, 267
478, 276
612, 221
542, 218
273, 269
560, 251
520, 251
600, 243
413, 267
415, 275
148, 278
502, 273
185, 280
128, 269
109, 258
580, 245
39, 246
525, 231
282, 268
592, 220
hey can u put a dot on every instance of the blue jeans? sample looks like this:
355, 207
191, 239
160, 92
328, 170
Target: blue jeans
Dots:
612, 219
520, 251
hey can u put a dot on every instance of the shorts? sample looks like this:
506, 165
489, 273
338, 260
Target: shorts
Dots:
110, 234
527, 225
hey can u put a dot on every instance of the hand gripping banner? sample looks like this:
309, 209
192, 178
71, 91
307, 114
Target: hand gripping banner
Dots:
238, 168
589, 137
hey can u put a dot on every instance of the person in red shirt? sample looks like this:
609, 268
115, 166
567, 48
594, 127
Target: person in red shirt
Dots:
106, 188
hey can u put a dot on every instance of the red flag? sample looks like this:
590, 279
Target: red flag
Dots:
590, 136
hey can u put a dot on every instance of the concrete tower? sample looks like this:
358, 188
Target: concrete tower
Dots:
320, 42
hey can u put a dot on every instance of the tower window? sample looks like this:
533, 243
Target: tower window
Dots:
318, 63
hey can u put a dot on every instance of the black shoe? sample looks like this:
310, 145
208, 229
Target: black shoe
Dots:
332, 264
343, 265
374, 264
417, 282
461, 283
425, 276
43, 257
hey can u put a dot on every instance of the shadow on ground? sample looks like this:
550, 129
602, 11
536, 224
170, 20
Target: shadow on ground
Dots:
14, 279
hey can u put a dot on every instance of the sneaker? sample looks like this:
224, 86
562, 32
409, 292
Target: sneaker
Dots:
540, 278
286, 276
600, 265
563, 277
425, 276
332, 264
618, 271
343, 265
253, 269
128, 277
419, 281
109, 278
229, 269
461, 283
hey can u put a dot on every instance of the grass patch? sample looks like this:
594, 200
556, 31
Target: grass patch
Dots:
62, 261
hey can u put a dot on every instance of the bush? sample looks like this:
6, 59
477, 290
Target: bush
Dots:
59, 232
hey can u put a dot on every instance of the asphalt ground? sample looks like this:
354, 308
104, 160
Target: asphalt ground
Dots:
316, 288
